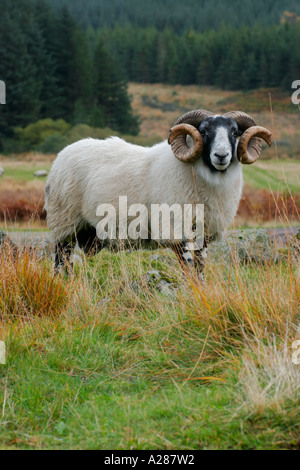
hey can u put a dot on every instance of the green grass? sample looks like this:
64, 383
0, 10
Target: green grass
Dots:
85, 399
6, 228
25, 172
274, 175
126, 369
79, 404
277, 175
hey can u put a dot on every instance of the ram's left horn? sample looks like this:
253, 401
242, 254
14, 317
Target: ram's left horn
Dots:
177, 140
249, 147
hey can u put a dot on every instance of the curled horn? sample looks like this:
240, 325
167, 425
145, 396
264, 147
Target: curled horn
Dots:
188, 125
249, 146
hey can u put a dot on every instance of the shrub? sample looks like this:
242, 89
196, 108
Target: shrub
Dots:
34, 134
28, 287
52, 144
22, 204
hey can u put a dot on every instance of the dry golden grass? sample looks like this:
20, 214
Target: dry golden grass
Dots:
268, 377
203, 360
157, 117
28, 287
17, 160
22, 202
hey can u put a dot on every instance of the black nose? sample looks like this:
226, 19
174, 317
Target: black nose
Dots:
221, 157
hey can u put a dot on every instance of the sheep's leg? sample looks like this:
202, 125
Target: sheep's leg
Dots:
88, 241
200, 259
63, 252
184, 256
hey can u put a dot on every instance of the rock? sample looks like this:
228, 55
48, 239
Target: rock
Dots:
104, 301
162, 282
6, 241
156, 281
77, 259
245, 246
41, 173
1, 171
42, 248
153, 276
135, 286
154, 257
295, 248
167, 289
3, 237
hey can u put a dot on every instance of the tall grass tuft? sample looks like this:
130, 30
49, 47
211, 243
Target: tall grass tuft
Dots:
28, 287
268, 379
246, 301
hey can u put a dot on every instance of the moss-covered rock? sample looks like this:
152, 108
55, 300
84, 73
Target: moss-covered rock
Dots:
156, 280
5, 241
246, 246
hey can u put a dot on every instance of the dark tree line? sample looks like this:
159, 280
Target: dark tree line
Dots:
230, 58
50, 70
54, 69
179, 15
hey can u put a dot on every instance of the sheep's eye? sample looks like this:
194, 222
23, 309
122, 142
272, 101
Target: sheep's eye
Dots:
203, 133
235, 134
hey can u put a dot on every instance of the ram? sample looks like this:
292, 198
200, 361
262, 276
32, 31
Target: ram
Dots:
201, 163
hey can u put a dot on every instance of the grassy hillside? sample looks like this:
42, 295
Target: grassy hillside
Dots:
275, 175
160, 105
104, 360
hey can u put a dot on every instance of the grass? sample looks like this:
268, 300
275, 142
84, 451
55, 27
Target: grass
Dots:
28, 287
276, 176
23, 172
160, 105
102, 360
123, 367
23, 228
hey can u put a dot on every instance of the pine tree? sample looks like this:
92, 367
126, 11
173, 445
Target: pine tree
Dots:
111, 95
51, 93
18, 71
73, 65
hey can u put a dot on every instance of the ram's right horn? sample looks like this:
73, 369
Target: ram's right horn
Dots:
177, 140
188, 125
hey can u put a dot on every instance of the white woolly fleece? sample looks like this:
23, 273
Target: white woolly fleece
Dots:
93, 172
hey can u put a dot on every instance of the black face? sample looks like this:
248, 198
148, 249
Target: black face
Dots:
219, 135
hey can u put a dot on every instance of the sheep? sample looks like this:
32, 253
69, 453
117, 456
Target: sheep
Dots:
209, 151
